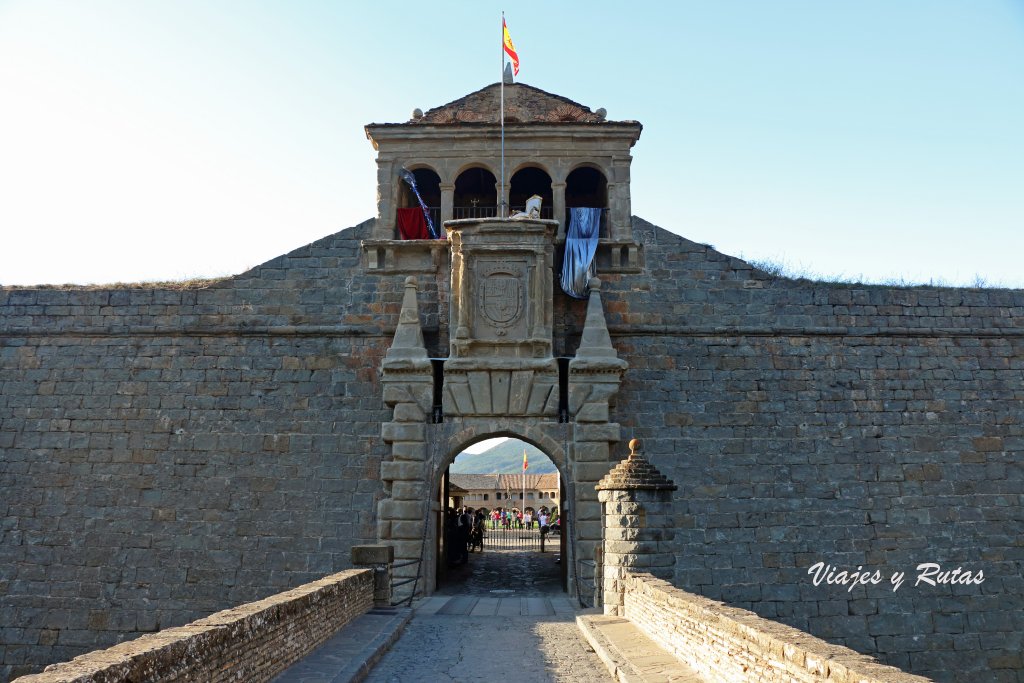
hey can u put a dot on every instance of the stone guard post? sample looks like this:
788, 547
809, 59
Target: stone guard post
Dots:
636, 509
380, 559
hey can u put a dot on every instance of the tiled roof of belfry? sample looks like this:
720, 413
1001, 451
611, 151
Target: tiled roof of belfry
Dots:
523, 104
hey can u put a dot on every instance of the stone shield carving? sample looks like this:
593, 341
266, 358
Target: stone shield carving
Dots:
501, 298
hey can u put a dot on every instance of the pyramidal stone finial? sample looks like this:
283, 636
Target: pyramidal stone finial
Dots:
596, 343
408, 342
635, 472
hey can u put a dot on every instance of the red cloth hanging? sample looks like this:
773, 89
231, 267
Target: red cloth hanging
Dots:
412, 225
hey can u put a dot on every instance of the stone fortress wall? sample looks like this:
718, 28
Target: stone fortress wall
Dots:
860, 426
167, 453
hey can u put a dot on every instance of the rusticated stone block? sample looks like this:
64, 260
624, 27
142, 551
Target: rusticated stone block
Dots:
402, 431
411, 451
392, 471
598, 432
409, 490
592, 451
401, 509
372, 554
409, 412
593, 412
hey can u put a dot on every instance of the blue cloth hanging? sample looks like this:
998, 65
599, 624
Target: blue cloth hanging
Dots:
580, 247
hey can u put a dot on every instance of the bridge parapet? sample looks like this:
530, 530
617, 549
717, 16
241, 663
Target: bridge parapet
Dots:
251, 642
720, 642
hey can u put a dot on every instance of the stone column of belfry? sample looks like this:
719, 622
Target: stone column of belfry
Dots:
408, 382
447, 203
636, 509
619, 221
386, 221
558, 207
504, 208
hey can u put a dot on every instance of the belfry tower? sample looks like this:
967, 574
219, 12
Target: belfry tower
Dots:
497, 357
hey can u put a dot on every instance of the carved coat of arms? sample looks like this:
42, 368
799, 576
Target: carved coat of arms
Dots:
502, 298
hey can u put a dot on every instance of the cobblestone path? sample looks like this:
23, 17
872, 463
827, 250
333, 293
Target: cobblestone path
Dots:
502, 617
509, 571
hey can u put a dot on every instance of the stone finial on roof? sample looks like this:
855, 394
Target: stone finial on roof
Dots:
635, 472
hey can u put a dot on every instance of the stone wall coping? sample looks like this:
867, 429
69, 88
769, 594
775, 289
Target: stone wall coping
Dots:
766, 640
171, 653
377, 553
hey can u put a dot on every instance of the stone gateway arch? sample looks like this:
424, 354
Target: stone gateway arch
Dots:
500, 378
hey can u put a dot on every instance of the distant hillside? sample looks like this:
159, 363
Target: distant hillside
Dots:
505, 458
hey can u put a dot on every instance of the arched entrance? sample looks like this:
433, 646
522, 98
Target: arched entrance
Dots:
499, 526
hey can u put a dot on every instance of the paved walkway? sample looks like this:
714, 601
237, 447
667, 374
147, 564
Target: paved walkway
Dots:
508, 571
502, 617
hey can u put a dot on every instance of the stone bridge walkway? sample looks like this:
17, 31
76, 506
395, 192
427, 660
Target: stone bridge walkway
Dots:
502, 617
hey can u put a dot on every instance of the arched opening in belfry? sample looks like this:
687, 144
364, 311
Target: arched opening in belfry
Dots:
499, 529
428, 184
527, 182
587, 187
476, 194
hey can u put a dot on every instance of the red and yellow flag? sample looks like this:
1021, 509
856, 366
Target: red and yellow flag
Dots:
510, 49
525, 464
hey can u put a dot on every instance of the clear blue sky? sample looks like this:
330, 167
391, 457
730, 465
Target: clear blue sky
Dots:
163, 140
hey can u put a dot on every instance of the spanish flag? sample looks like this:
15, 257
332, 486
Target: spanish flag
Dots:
525, 464
510, 49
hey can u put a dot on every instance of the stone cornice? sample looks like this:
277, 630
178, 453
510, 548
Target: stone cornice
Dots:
617, 331
823, 331
486, 132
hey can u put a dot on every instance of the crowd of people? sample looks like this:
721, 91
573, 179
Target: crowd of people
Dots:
509, 518
464, 527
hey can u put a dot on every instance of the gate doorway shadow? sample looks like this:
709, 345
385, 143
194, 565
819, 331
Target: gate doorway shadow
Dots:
517, 557
504, 573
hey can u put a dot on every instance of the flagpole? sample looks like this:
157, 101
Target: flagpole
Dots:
524, 485
501, 187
